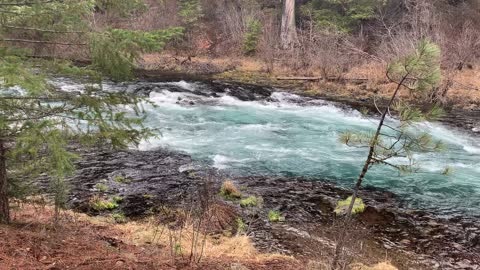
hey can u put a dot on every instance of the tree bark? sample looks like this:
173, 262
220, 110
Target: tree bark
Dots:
288, 33
4, 206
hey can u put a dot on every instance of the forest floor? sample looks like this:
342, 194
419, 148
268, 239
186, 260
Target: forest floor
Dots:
79, 241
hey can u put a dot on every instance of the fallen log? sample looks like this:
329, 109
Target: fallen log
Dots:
340, 79
299, 78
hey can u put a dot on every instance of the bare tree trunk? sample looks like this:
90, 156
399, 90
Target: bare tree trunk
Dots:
288, 33
4, 207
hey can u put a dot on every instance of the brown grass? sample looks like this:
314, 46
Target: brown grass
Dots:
83, 242
229, 190
380, 266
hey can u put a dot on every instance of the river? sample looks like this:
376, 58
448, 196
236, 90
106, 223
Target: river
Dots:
290, 135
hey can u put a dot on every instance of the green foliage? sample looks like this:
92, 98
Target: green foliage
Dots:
249, 202
117, 199
99, 204
342, 206
101, 187
340, 15
119, 218
121, 8
252, 35
275, 216
417, 72
420, 69
190, 11
114, 52
121, 179
178, 249
241, 225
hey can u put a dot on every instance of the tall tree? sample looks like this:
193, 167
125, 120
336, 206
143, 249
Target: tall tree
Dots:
288, 31
37, 122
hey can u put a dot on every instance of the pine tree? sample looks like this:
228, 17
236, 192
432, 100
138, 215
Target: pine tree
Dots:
38, 122
418, 73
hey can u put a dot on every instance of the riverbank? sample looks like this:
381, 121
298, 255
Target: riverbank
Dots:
145, 182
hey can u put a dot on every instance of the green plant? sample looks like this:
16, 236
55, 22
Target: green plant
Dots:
342, 206
190, 11
275, 216
178, 249
101, 187
98, 204
241, 225
117, 199
250, 41
229, 191
249, 202
342, 16
121, 179
119, 218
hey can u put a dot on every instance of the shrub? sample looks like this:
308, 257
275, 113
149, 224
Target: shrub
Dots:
254, 29
275, 216
229, 191
119, 218
98, 204
249, 202
342, 206
101, 187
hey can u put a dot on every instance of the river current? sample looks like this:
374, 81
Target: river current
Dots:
292, 136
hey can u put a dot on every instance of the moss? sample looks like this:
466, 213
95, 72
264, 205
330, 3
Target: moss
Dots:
342, 206
121, 179
229, 191
249, 202
119, 218
101, 187
275, 216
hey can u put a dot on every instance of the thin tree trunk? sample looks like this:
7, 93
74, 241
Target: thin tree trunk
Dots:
288, 33
4, 207
366, 166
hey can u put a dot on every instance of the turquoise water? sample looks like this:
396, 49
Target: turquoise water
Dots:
283, 138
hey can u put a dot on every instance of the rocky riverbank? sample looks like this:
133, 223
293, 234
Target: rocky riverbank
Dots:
148, 180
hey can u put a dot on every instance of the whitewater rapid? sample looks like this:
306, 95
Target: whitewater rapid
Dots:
291, 135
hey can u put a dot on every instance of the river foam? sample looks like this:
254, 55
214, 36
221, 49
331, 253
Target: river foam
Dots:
287, 134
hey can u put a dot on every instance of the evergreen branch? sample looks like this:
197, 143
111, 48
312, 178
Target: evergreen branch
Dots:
42, 42
27, 3
41, 30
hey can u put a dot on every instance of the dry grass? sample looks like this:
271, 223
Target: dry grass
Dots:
83, 242
380, 266
229, 190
